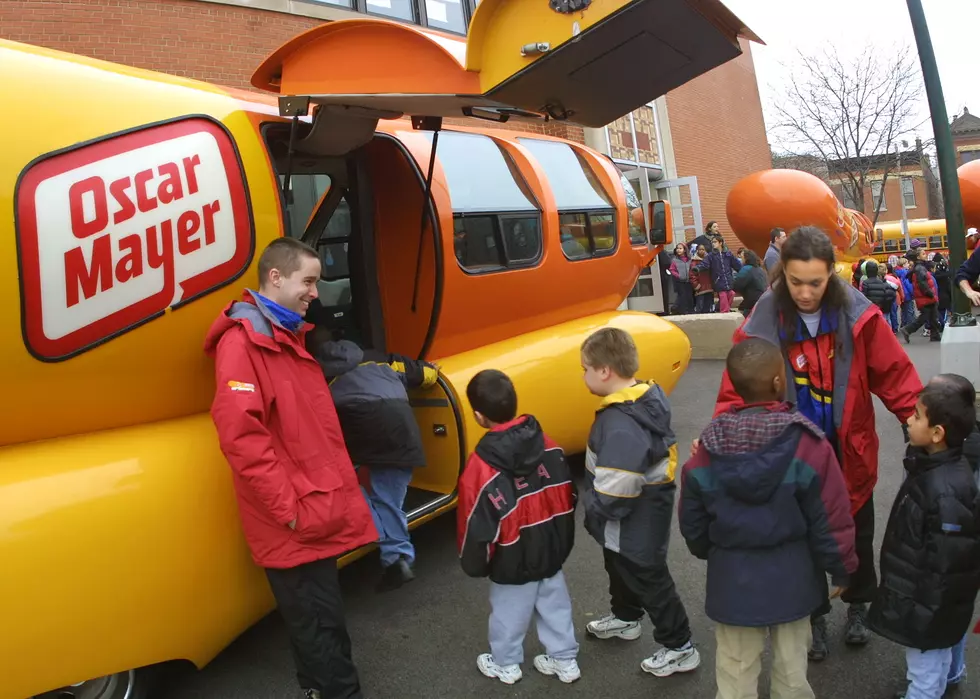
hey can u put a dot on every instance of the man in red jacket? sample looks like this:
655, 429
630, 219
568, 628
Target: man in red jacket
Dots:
298, 497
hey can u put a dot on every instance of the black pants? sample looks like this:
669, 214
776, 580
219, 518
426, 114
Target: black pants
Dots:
634, 589
309, 601
930, 314
685, 297
864, 583
703, 302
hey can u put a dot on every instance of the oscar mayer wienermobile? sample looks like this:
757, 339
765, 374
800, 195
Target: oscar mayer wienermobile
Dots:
790, 198
131, 211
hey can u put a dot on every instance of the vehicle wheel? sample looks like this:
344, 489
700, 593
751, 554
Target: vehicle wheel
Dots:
134, 684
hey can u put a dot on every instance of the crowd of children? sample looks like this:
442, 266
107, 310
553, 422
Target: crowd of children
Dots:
762, 498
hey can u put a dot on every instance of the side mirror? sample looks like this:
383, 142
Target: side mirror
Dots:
661, 229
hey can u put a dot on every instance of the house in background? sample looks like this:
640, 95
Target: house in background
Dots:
906, 177
965, 128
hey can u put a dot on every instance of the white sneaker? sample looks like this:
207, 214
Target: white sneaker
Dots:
566, 670
666, 661
611, 627
508, 674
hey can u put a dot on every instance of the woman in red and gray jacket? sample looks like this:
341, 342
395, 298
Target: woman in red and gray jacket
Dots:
839, 351
704, 293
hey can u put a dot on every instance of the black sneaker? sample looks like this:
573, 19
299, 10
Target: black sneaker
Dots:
396, 575
857, 632
905, 334
818, 649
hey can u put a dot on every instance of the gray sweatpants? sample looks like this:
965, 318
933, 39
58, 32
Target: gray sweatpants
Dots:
511, 610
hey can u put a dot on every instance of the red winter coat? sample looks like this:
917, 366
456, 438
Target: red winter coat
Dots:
278, 428
872, 362
924, 286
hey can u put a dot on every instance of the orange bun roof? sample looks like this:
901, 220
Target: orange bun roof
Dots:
969, 176
786, 199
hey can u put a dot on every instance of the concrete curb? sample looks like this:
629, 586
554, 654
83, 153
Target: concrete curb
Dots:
710, 334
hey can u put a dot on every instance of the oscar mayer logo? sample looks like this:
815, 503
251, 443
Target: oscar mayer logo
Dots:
112, 233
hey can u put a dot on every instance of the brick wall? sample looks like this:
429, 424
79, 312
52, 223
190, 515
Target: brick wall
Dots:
719, 133
216, 43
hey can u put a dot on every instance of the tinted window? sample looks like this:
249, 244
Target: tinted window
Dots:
305, 192
603, 228
891, 245
479, 176
637, 235
574, 236
475, 243
572, 181
522, 238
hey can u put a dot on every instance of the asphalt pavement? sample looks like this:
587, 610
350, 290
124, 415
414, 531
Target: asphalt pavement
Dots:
421, 642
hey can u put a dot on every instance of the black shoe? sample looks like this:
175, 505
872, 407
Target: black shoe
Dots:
396, 575
818, 649
905, 334
311, 694
857, 632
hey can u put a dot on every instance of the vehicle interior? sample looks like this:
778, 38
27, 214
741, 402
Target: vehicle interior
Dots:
367, 231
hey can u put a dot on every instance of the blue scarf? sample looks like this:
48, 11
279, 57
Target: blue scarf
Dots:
291, 320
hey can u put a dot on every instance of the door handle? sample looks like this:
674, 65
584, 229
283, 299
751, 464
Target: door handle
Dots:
439, 430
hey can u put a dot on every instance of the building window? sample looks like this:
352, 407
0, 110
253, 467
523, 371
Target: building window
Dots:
848, 200
877, 196
969, 155
586, 214
496, 222
908, 192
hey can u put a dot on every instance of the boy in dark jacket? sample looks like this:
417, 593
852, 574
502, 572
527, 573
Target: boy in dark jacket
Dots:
930, 555
516, 525
877, 290
763, 500
382, 438
629, 501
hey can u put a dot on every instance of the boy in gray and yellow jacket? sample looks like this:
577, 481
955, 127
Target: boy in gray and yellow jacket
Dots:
629, 501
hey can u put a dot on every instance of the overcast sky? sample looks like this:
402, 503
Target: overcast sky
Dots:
847, 26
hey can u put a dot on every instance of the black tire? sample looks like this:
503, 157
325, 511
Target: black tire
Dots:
134, 684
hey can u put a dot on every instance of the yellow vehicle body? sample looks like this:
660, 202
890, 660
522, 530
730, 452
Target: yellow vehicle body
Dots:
117, 513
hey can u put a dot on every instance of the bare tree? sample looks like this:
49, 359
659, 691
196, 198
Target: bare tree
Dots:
851, 115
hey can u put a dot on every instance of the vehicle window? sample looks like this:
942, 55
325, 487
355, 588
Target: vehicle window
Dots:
574, 184
478, 174
496, 220
637, 235
935, 242
586, 214
603, 229
891, 246
522, 238
475, 243
306, 190
945, 241
574, 230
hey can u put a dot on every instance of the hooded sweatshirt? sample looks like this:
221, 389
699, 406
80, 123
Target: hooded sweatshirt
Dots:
764, 502
516, 512
373, 404
630, 463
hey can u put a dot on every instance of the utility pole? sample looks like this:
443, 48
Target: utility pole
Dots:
945, 155
960, 352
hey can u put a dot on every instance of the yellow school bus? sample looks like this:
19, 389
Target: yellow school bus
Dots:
132, 212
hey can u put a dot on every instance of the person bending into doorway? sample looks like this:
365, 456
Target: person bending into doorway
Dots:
298, 497
839, 350
382, 437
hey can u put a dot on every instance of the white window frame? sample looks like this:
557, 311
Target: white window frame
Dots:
879, 184
906, 195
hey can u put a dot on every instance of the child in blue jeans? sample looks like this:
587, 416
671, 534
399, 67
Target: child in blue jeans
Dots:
930, 556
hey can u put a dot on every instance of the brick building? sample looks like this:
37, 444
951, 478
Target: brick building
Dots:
910, 179
965, 128
691, 145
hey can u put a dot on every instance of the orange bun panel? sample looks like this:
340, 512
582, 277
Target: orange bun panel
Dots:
364, 57
969, 176
785, 199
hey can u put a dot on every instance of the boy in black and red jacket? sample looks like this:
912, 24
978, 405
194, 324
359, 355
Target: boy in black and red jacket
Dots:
516, 525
